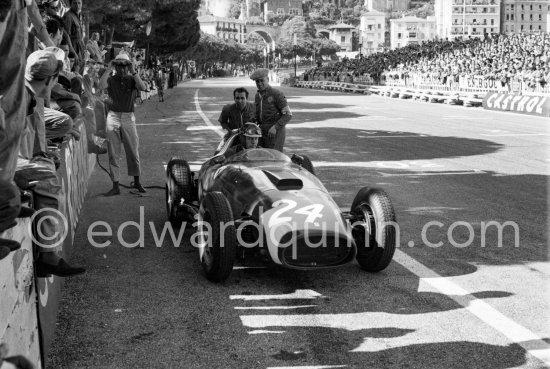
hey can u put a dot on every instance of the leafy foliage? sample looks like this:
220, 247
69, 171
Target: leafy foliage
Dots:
175, 25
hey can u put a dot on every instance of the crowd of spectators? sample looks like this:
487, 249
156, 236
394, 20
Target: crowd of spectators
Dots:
49, 88
523, 57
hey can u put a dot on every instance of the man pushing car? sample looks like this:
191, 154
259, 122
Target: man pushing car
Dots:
272, 111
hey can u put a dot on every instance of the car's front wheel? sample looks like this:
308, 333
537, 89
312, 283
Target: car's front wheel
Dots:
373, 229
179, 185
218, 236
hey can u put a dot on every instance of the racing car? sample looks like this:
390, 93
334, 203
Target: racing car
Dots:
262, 201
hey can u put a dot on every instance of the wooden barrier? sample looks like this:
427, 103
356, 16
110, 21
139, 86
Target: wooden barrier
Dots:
76, 168
28, 305
334, 86
18, 314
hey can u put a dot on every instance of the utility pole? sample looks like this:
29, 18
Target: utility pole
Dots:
295, 44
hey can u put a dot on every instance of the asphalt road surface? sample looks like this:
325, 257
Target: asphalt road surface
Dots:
458, 294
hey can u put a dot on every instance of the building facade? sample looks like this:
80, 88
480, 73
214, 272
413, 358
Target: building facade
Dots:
384, 5
224, 28
342, 34
467, 18
411, 30
525, 16
372, 32
282, 7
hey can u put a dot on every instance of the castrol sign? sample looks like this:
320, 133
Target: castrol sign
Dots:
532, 105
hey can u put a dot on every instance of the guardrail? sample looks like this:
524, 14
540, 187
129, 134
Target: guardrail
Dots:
334, 86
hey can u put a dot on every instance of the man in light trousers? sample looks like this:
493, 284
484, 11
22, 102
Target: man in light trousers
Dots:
121, 122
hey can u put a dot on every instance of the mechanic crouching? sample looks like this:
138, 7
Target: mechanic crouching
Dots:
250, 136
272, 111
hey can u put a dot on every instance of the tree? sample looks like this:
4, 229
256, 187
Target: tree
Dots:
175, 25
235, 10
297, 25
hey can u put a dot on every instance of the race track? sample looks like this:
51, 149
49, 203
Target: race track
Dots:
459, 293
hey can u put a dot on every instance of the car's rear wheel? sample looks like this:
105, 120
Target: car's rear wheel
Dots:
179, 185
219, 237
373, 229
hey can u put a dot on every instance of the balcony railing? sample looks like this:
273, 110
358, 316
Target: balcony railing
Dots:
471, 2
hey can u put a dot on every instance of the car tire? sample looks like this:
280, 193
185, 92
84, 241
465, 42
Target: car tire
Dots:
221, 249
373, 229
179, 184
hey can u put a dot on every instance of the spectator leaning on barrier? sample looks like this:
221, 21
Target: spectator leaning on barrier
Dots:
121, 121
234, 116
14, 16
272, 111
35, 165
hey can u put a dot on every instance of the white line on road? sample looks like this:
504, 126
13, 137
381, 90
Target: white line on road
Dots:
515, 332
468, 118
308, 367
203, 116
513, 134
298, 294
263, 331
245, 267
448, 173
273, 307
202, 128
394, 136
418, 164
156, 124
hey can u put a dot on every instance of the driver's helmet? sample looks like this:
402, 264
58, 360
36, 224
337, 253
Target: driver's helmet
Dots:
251, 130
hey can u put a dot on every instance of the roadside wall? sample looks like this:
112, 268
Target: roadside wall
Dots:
18, 309
28, 305
531, 105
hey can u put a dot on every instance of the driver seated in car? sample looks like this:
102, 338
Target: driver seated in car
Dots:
250, 135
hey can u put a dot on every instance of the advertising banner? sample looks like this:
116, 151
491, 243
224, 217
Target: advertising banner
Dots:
532, 105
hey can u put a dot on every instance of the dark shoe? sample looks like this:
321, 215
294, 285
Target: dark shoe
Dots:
20, 362
11, 225
10, 244
62, 269
4, 251
26, 212
140, 188
113, 192
97, 150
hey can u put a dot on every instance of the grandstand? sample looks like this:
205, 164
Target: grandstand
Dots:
512, 63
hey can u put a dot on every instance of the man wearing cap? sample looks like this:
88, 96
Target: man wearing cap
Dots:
272, 111
42, 69
233, 116
121, 122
